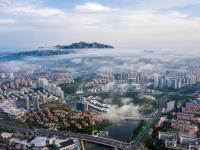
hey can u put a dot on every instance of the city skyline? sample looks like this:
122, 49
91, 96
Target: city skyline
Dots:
99, 74
26, 25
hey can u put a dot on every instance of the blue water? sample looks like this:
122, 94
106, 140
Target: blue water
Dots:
119, 131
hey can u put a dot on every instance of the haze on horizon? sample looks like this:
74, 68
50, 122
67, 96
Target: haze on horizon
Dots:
152, 24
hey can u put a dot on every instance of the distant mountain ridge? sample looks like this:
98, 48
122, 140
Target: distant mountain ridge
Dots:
33, 53
56, 50
83, 45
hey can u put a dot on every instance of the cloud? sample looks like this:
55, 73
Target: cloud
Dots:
5, 3
169, 4
22, 8
92, 7
7, 21
126, 101
126, 27
150, 68
15, 66
76, 61
178, 14
38, 12
117, 113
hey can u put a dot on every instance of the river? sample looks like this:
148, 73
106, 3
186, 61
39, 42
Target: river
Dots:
119, 131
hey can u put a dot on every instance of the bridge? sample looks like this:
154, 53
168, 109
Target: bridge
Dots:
137, 118
99, 140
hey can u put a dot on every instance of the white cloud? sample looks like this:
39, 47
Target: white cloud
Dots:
144, 28
117, 113
167, 4
7, 21
178, 14
22, 8
15, 66
92, 7
4, 3
39, 12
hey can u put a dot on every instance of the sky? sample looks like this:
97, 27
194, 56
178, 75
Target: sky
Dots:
143, 24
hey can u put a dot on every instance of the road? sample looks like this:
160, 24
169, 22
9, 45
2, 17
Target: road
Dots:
99, 140
64, 134
137, 118
155, 118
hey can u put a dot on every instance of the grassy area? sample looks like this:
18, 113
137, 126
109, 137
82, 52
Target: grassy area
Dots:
146, 109
181, 100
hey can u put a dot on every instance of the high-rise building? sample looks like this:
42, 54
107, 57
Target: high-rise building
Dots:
174, 83
27, 102
50, 88
11, 75
161, 83
42, 83
36, 101
179, 84
167, 82
156, 82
